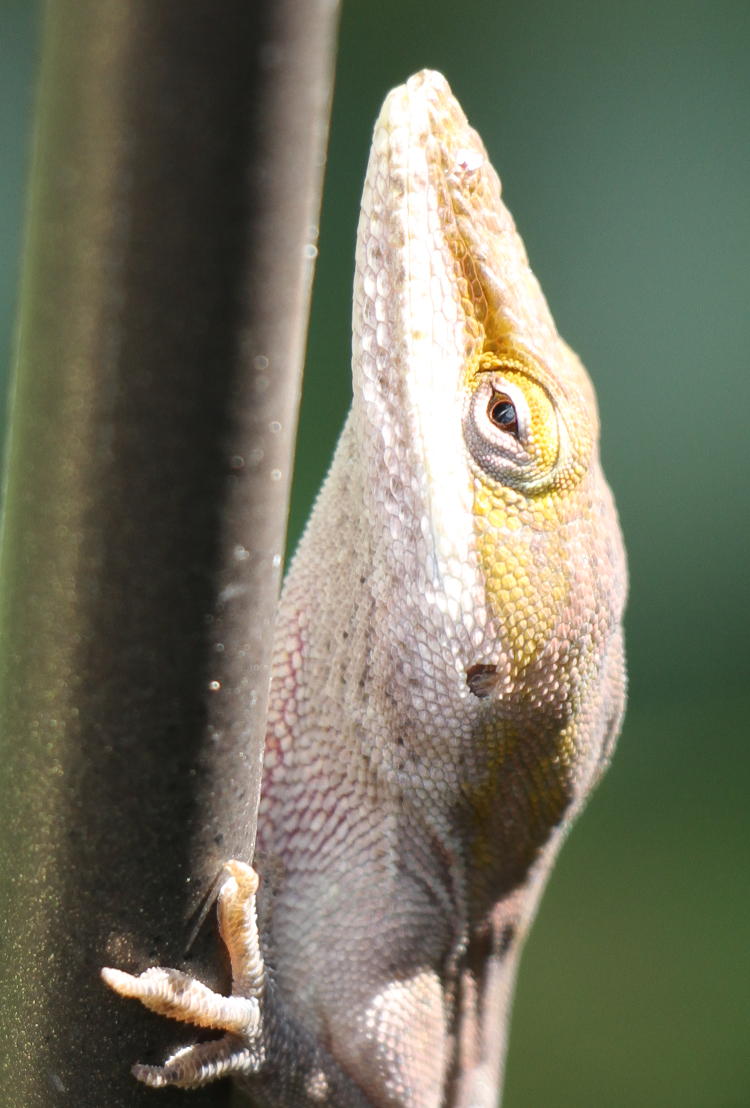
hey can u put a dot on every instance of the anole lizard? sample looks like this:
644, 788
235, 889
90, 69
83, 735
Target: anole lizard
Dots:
448, 680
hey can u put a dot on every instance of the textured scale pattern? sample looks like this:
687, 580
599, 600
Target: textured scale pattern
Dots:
448, 678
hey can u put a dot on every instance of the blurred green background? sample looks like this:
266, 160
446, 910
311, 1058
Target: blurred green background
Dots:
621, 134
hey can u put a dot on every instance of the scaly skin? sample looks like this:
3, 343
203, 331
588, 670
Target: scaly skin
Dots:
448, 680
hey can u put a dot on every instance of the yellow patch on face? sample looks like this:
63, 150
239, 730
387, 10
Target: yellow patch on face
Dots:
525, 592
519, 496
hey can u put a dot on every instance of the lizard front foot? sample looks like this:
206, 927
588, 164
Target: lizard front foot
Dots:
242, 1049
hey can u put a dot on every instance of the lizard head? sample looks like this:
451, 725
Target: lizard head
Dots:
482, 424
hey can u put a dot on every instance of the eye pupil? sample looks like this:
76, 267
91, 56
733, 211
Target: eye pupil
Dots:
502, 412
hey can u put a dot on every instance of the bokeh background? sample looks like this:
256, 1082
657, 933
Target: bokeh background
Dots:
621, 134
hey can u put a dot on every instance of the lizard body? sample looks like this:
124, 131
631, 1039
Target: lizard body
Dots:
448, 678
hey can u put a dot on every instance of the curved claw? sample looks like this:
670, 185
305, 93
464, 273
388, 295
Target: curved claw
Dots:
175, 994
196, 1065
238, 924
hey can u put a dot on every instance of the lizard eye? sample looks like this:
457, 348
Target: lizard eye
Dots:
502, 413
497, 428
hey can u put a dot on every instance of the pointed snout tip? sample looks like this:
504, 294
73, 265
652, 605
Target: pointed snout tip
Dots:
428, 79
422, 88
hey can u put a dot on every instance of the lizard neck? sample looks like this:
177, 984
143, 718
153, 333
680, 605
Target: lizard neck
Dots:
367, 625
